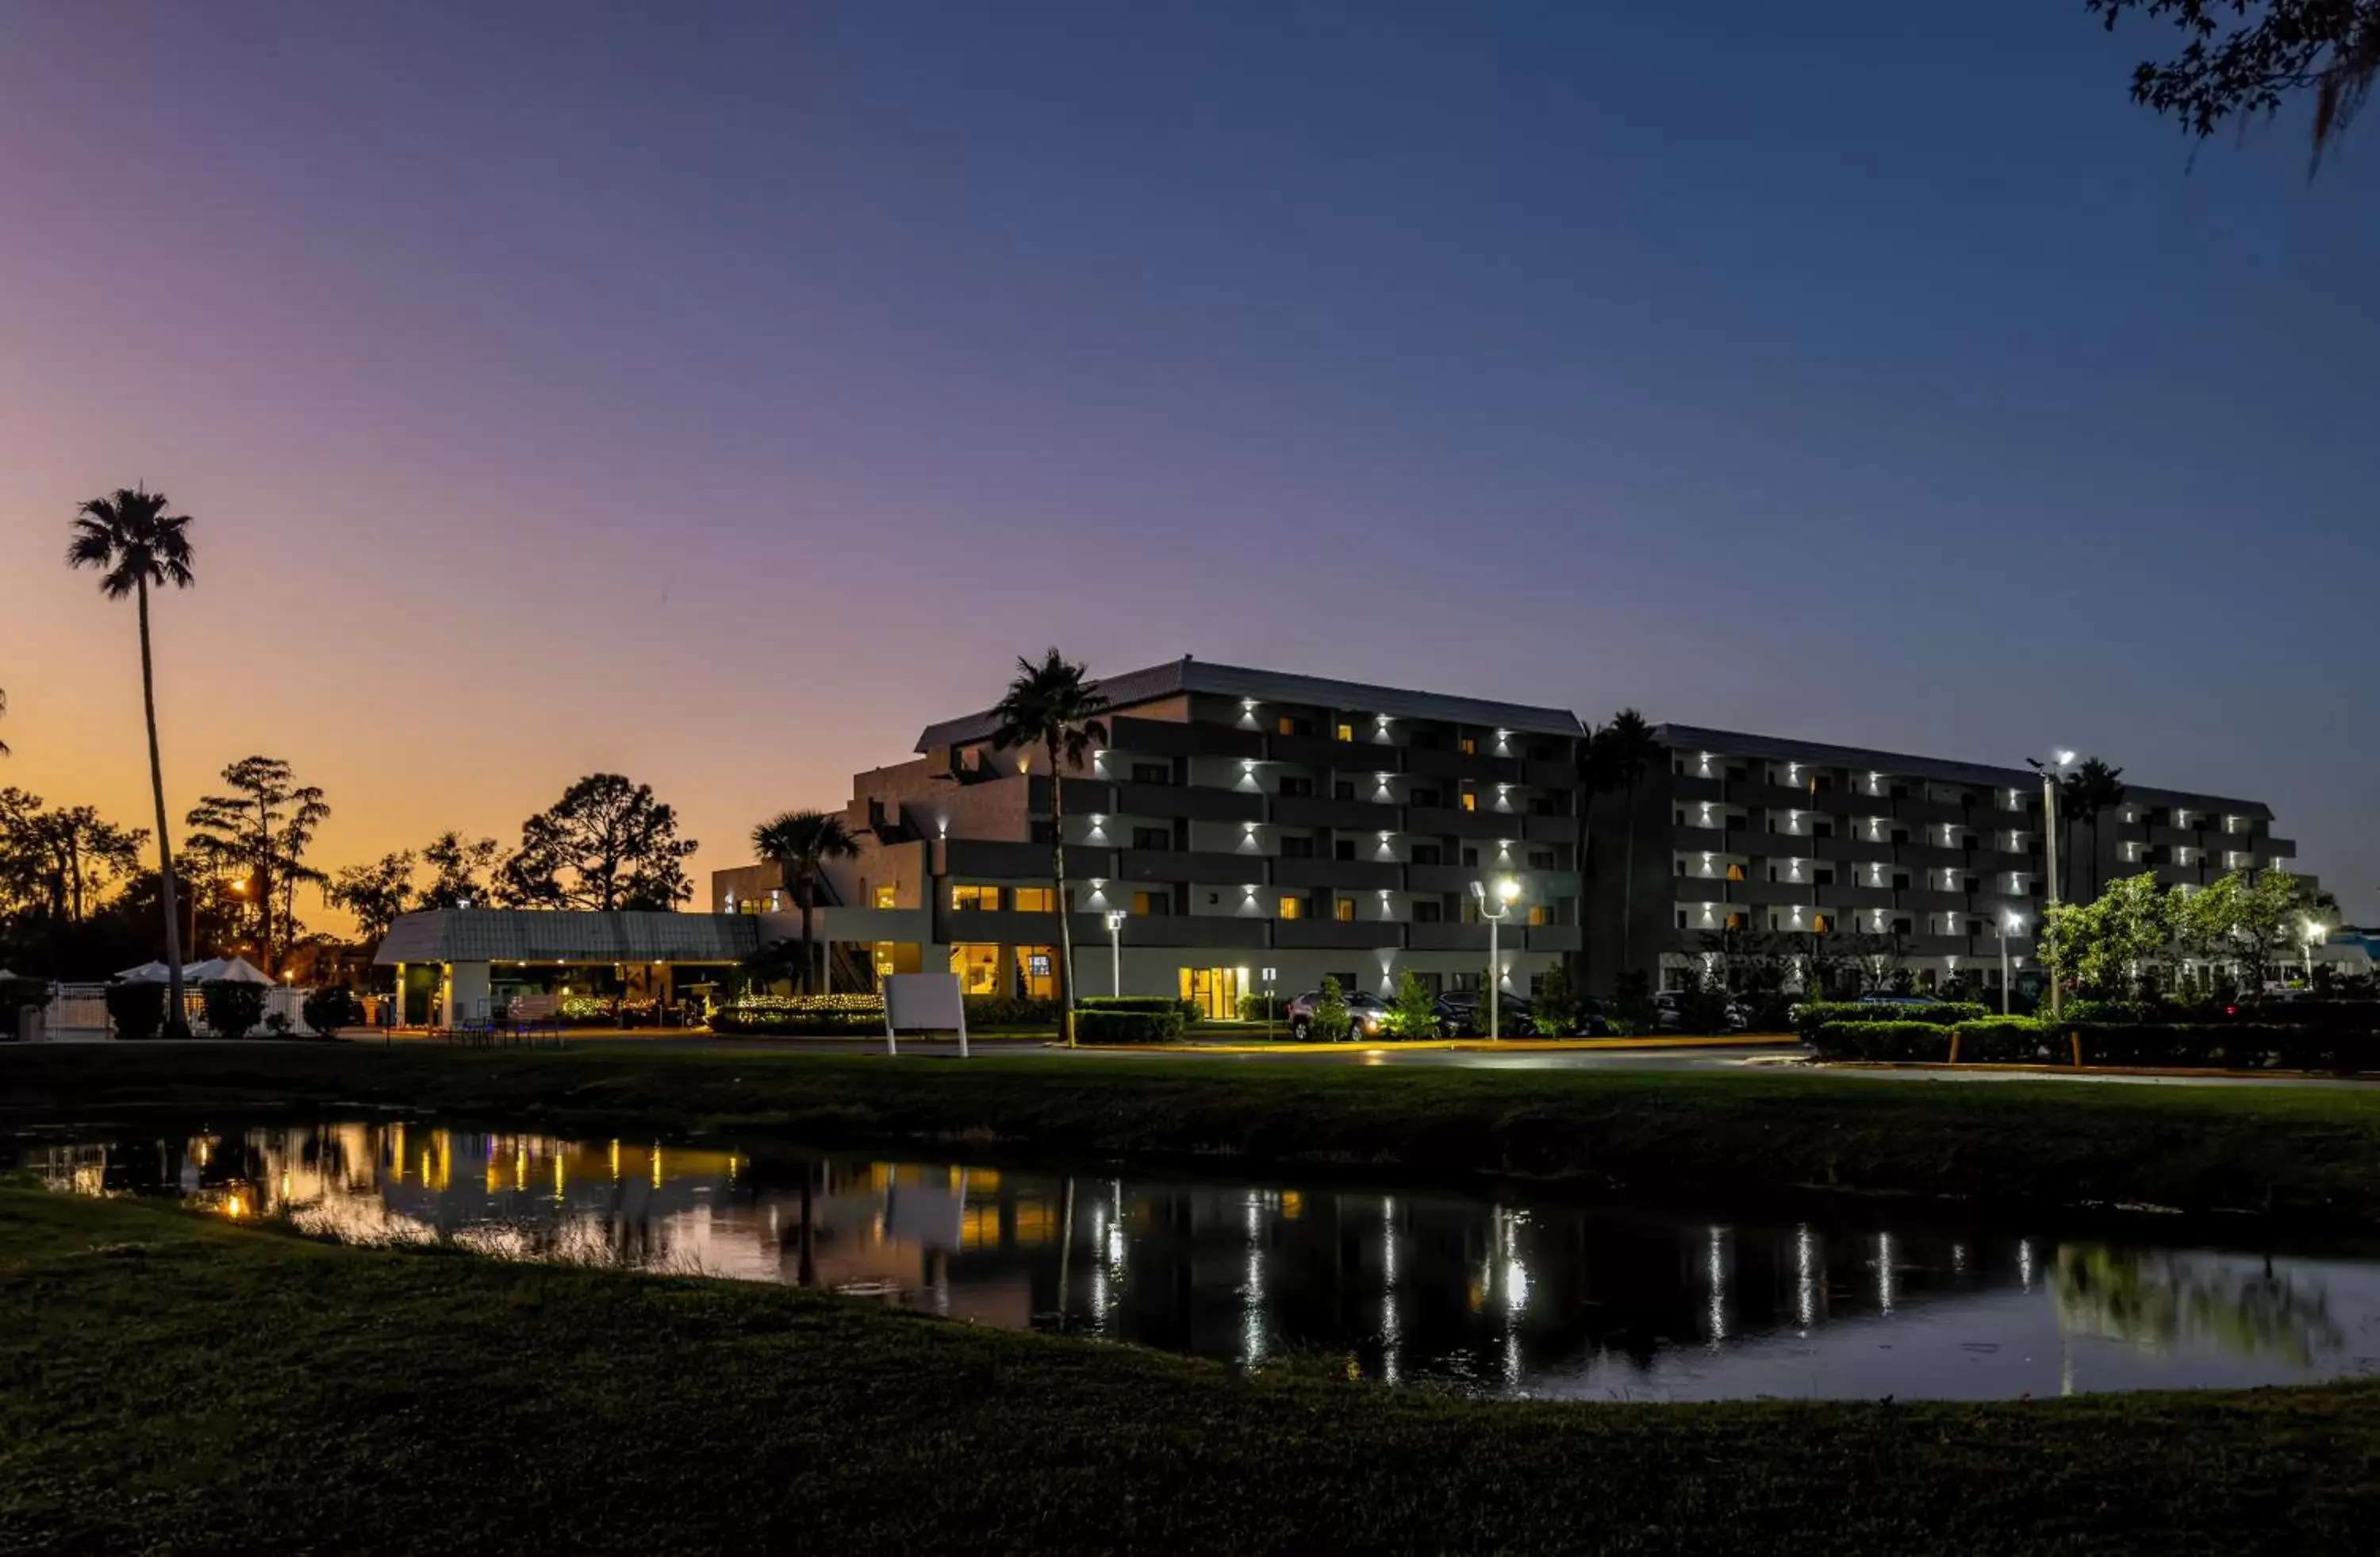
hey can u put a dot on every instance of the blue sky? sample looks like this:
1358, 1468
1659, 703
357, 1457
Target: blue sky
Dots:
721, 392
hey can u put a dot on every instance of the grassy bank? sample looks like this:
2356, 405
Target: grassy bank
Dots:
177, 1383
2311, 1156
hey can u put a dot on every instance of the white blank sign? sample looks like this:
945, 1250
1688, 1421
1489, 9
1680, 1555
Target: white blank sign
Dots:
923, 1002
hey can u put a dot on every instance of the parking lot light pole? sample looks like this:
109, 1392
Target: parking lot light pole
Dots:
2011, 924
1116, 951
1507, 890
2049, 771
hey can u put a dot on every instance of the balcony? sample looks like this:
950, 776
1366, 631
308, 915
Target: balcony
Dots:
1343, 875
1773, 892
1446, 937
1546, 773
1199, 802
2271, 848
1316, 810
1699, 840
1191, 865
1554, 937
1442, 820
1083, 797
1248, 930
1695, 787
991, 859
1849, 897
1423, 762
1333, 935
1919, 810
1166, 738
1548, 829
1770, 796
1929, 857
1322, 753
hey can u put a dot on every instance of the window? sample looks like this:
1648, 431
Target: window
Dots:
1156, 903
1296, 847
1034, 900
1295, 784
1735, 921
1343, 790
1152, 837
1343, 909
1035, 975
1682, 918
1151, 773
1539, 913
978, 965
1289, 726
1541, 860
1822, 830
1471, 855
1470, 798
1425, 798
1900, 881
1346, 732
1820, 924
1343, 849
1735, 872
1293, 907
887, 898
1428, 910
1348, 982
1902, 926
1428, 854
975, 900
1467, 983
1470, 745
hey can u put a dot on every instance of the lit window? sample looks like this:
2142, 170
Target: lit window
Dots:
1034, 900
1036, 971
1285, 726
972, 899
887, 898
1470, 745
1343, 910
1470, 800
1346, 732
978, 966
1293, 907
1539, 913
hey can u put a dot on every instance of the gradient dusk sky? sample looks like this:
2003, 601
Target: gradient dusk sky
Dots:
720, 392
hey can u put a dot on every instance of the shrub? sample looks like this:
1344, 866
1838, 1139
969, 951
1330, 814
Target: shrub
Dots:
233, 1009
1332, 1024
1415, 1013
2004, 1040
1883, 1040
1189, 1009
1811, 1014
138, 1010
1109, 1025
328, 1009
1557, 1013
795, 1016
1263, 1008
1010, 1011
2087, 1009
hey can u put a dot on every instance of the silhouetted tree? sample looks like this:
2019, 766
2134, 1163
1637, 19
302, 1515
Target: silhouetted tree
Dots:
800, 843
1053, 707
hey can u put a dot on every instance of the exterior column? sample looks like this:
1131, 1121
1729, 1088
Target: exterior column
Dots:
467, 993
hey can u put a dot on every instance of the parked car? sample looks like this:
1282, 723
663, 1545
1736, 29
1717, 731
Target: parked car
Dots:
1459, 1015
1898, 999
1367, 1015
1669, 1014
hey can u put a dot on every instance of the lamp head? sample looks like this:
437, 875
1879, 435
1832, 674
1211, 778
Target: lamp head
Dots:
1479, 891
1507, 889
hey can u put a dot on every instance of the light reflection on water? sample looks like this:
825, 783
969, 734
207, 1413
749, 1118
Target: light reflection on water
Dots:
1543, 1299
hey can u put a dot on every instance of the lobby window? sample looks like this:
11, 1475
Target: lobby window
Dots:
1293, 907
975, 900
978, 966
1343, 910
1346, 732
1158, 903
1034, 900
1037, 971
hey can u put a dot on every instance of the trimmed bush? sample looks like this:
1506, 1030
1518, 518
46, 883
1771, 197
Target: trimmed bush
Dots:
138, 1010
798, 1016
233, 1009
328, 1009
1883, 1040
1008, 1011
1263, 1008
1811, 1014
1190, 1011
1108, 1025
2004, 1040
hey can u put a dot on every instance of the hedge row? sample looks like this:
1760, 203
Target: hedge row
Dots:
1811, 1014
1111, 1025
2184, 1046
1189, 1011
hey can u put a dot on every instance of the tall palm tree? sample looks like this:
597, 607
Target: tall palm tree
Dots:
2085, 793
135, 543
1050, 705
800, 843
1592, 759
1629, 754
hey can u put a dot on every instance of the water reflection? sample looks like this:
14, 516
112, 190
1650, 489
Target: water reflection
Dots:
1441, 1289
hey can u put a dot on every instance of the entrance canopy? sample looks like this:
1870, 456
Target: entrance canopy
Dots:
525, 935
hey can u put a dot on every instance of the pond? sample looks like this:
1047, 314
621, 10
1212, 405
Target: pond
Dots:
1512, 1297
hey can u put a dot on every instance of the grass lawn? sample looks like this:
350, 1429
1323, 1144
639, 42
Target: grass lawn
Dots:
177, 1383
2307, 1156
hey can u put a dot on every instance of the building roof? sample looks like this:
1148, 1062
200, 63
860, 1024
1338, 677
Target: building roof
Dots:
1188, 674
543, 935
1736, 743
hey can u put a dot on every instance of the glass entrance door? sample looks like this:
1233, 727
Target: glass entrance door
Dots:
1214, 991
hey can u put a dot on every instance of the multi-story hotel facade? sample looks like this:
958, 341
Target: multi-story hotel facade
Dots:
1944, 859
1255, 832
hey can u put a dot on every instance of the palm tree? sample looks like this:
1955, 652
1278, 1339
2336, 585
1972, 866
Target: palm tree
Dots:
1050, 706
800, 843
1628, 753
1592, 759
134, 544
2090, 789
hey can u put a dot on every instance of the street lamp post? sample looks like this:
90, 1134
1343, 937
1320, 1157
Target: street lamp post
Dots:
2009, 924
2049, 771
2310, 935
1116, 951
1507, 891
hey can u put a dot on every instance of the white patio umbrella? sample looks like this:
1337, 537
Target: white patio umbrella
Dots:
147, 973
225, 970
